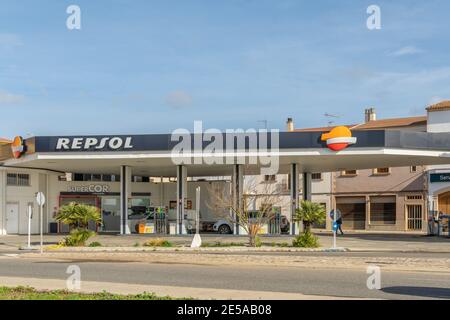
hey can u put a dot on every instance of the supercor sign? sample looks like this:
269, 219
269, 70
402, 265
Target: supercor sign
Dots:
89, 143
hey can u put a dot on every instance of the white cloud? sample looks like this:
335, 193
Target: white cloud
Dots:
179, 99
406, 51
9, 98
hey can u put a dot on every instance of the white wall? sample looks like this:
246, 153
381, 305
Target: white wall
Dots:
2, 202
24, 195
438, 121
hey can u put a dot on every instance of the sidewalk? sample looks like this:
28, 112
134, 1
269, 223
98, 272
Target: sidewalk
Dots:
358, 242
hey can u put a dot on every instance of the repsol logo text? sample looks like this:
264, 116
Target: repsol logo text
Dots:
106, 143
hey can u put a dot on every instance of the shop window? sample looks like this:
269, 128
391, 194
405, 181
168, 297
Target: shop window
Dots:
383, 210
78, 177
381, 171
140, 179
349, 173
316, 176
18, 179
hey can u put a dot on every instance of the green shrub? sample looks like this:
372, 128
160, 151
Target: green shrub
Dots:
95, 244
158, 243
219, 244
78, 238
306, 240
258, 242
78, 215
310, 213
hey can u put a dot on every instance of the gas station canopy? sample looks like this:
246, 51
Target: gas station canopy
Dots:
153, 155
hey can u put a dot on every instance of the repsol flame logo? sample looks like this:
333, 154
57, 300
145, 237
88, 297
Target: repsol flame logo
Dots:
339, 138
18, 147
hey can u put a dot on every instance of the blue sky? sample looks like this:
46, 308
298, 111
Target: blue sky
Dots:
154, 66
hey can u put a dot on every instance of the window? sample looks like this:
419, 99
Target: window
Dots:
270, 178
95, 177
349, 173
381, 171
413, 169
106, 177
18, 179
414, 217
414, 197
316, 176
383, 210
140, 179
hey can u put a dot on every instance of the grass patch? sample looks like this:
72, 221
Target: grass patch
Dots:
95, 244
158, 243
280, 245
222, 244
28, 293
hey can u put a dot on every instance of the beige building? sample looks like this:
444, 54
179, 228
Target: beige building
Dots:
387, 199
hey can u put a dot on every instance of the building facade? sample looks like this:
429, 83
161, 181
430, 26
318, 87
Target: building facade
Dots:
390, 199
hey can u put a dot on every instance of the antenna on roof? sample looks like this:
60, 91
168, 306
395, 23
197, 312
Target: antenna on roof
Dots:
328, 115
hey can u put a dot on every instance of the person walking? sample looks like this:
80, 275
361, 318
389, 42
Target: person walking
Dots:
339, 221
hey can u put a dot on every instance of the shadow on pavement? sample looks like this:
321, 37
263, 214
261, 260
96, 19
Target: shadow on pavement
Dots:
429, 292
391, 237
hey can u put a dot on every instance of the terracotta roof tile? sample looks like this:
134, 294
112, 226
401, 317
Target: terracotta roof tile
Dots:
376, 124
321, 129
390, 123
441, 106
4, 141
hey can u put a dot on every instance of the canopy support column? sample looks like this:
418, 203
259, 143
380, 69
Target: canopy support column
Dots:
125, 195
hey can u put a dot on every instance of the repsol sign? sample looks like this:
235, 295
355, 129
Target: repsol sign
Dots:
92, 143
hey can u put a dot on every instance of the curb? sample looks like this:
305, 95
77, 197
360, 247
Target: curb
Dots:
195, 250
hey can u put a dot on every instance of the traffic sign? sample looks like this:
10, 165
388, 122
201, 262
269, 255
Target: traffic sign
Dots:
332, 214
40, 198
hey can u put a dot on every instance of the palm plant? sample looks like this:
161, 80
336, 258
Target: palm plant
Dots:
310, 213
78, 216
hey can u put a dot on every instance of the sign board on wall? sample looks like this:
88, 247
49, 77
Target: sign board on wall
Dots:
440, 177
92, 188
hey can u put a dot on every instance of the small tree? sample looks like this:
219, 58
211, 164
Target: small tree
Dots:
310, 213
78, 216
261, 196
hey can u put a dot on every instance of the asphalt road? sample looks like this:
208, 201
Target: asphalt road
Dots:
343, 283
